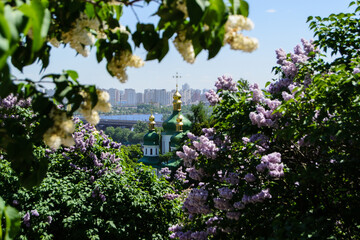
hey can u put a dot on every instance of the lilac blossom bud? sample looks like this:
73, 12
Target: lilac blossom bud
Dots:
356, 70
191, 136
15, 202
280, 55
102, 197
222, 204
165, 172
239, 205
49, 219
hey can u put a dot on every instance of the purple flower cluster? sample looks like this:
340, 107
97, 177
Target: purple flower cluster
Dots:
279, 85
232, 178
209, 132
188, 155
34, 213
196, 174
165, 172
265, 118
171, 196
225, 192
259, 197
195, 203
180, 175
233, 215
226, 83
257, 94
206, 147
11, 101
191, 136
26, 219
222, 204
212, 97
272, 162
249, 178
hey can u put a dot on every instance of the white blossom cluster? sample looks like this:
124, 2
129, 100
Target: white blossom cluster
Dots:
233, 36
61, 131
91, 115
184, 47
79, 36
118, 64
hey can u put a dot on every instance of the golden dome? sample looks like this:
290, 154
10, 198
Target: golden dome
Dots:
151, 118
179, 123
177, 101
151, 122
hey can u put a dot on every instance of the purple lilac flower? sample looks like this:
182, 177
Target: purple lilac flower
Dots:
280, 55
180, 175
195, 203
356, 70
249, 177
49, 219
259, 197
233, 215
226, 83
257, 94
232, 178
199, 235
26, 219
171, 196
34, 213
195, 174
165, 172
308, 46
191, 136
211, 220
15, 202
225, 192
212, 97
206, 147
239, 205
272, 162
209, 132
188, 155
102, 197
222, 204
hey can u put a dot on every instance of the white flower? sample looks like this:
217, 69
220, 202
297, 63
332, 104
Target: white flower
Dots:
91, 115
117, 66
185, 47
233, 36
61, 131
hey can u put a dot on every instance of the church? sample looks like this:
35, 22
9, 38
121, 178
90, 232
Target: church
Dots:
174, 130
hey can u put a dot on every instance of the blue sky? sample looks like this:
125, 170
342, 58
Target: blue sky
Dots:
278, 24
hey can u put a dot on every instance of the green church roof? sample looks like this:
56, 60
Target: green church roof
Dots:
169, 124
151, 161
176, 139
151, 138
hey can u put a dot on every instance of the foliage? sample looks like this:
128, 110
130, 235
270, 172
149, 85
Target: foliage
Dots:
132, 153
126, 136
30, 29
199, 118
12, 221
90, 192
282, 163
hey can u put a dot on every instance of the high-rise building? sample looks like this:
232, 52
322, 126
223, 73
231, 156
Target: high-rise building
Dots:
114, 96
139, 98
130, 96
185, 86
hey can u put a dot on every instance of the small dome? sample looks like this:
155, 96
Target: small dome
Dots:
151, 138
151, 118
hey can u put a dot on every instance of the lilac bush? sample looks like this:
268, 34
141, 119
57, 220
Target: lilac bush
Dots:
265, 168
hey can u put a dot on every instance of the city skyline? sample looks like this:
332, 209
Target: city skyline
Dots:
278, 24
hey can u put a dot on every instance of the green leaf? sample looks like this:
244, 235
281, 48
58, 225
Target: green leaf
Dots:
196, 10
244, 8
73, 75
12, 222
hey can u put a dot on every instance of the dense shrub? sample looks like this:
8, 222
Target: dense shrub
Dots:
91, 193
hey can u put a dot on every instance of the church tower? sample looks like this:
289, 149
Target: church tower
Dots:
170, 124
